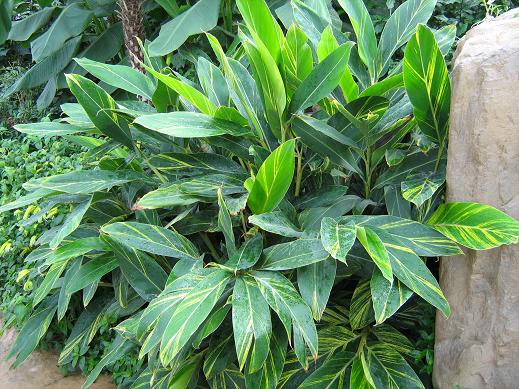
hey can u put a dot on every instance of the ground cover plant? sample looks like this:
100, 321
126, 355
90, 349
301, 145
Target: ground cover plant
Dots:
267, 224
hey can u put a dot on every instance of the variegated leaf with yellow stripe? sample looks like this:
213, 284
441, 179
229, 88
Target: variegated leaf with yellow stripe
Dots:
251, 324
476, 226
191, 313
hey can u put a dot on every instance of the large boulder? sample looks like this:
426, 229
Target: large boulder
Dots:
478, 346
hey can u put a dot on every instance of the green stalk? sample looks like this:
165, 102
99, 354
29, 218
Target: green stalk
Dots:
299, 174
210, 246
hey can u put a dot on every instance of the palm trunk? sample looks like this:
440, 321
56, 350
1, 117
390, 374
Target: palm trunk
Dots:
132, 17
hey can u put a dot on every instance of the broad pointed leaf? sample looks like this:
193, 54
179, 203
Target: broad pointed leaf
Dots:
251, 324
291, 255
273, 179
276, 222
376, 250
337, 237
191, 313
189, 125
476, 226
315, 283
428, 85
323, 79
286, 302
152, 239
387, 296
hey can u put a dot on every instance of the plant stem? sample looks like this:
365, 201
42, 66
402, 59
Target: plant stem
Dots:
299, 174
210, 246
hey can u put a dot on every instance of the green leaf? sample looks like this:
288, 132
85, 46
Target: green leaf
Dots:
387, 296
27, 199
32, 331
22, 30
119, 76
154, 318
213, 82
376, 250
476, 226
326, 46
243, 90
85, 328
191, 313
212, 324
71, 223
185, 373
311, 218
47, 68
219, 355
412, 164
323, 79
399, 28
48, 283
273, 179
394, 338
327, 141
247, 255
200, 17
365, 32
268, 376
389, 369
166, 196
419, 188
83, 181
332, 374
276, 222
143, 273
337, 238
191, 94
428, 85
261, 24
395, 203
297, 59
231, 377
358, 378
64, 295
413, 273
189, 125
70, 23
99, 105
251, 324
48, 129
152, 239
91, 271
6, 10
195, 163
225, 224
271, 84
116, 351
286, 302
89, 292
382, 87
47, 95
291, 255
361, 308
103, 48
315, 283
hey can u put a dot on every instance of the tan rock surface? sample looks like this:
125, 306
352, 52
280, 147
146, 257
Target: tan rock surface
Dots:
478, 346
39, 371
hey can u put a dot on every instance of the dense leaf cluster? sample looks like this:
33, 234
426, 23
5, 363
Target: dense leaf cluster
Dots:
268, 224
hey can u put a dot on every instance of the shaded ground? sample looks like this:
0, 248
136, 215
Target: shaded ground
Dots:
39, 371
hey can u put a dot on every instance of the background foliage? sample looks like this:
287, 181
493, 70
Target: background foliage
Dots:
52, 156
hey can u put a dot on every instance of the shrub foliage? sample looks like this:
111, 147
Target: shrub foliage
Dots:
268, 224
